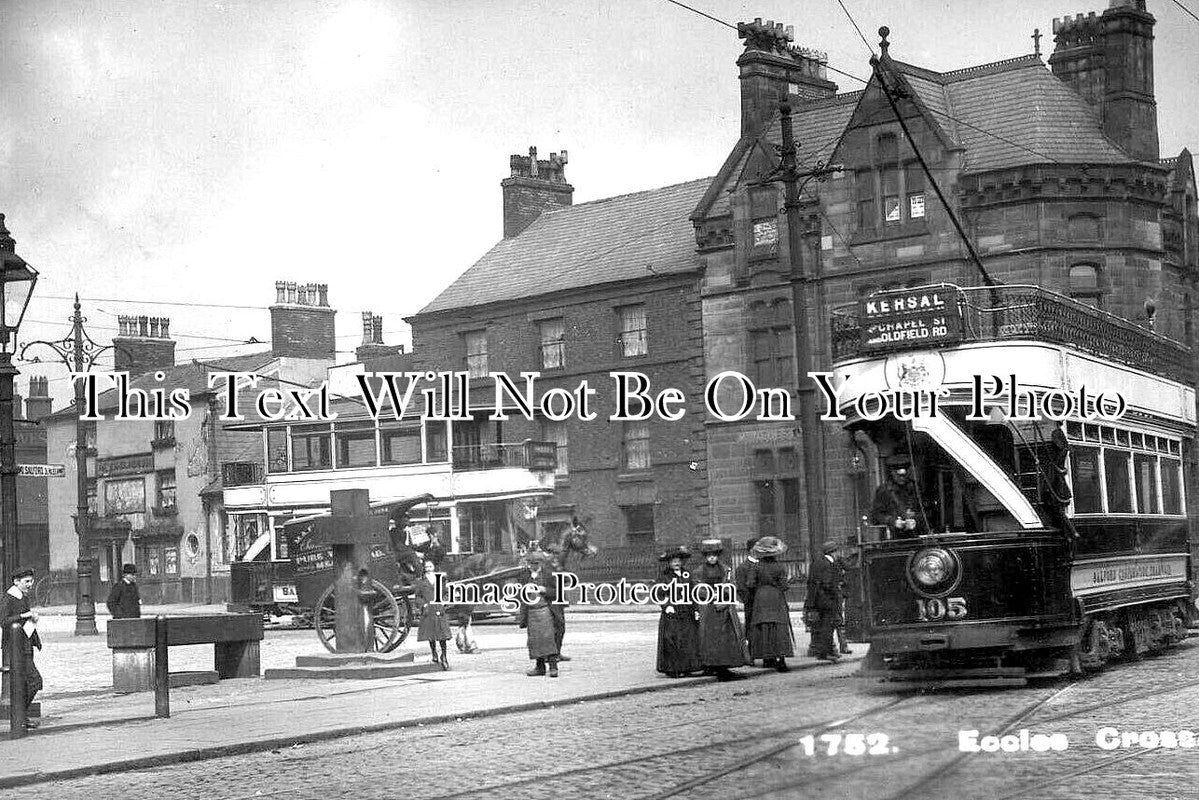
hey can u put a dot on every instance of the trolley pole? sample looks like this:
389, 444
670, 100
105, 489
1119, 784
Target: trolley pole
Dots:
789, 174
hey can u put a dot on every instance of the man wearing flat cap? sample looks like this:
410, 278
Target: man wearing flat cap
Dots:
822, 607
14, 607
125, 601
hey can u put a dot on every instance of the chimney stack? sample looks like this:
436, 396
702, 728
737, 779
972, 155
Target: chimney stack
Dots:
302, 322
1108, 59
533, 188
772, 69
143, 344
37, 405
377, 357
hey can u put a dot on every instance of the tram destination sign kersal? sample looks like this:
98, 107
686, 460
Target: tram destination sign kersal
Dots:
917, 318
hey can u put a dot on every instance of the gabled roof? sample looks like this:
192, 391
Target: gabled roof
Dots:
604, 241
1018, 100
192, 376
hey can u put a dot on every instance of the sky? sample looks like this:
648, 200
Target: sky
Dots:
177, 157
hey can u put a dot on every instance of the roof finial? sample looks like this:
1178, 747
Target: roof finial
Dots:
884, 44
1036, 40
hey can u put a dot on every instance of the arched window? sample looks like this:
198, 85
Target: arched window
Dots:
1084, 284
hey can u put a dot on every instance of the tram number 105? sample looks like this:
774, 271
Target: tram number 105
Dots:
937, 609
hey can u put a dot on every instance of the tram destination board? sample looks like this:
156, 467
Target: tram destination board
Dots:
898, 320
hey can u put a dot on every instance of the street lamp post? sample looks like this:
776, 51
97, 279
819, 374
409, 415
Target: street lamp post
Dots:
79, 353
16, 286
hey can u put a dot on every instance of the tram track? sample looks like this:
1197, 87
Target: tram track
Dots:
1023, 716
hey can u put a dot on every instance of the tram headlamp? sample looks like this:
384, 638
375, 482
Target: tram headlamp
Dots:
933, 568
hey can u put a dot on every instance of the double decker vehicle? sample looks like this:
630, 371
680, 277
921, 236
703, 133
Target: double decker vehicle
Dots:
1036, 457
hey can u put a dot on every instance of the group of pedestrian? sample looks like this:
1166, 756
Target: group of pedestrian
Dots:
712, 639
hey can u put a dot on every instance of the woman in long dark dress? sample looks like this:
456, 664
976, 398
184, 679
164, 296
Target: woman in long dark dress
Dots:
678, 628
770, 636
434, 622
721, 638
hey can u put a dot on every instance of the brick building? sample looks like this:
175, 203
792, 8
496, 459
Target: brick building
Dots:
155, 486
33, 544
1054, 172
574, 293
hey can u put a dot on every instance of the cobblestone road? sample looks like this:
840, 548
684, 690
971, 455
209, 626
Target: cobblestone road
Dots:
677, 743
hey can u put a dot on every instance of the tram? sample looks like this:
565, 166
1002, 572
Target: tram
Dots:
1036, 464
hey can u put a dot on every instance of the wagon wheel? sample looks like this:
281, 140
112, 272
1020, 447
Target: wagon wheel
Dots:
390, 620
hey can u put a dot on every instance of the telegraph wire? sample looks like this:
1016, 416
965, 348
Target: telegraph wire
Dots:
853, 22
1187, 10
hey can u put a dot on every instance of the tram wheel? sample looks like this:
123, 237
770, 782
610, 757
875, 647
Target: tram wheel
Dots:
389, 619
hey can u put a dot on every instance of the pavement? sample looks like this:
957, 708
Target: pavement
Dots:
86, 729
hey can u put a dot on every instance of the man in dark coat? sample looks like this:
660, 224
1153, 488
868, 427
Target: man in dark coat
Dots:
14, 607
124, 601
822, 608
741, 581
895, 506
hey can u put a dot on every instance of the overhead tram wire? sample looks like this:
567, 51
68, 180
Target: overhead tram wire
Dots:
1187, 10
853, 22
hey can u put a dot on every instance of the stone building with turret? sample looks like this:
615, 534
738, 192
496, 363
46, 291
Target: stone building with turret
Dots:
1051, 165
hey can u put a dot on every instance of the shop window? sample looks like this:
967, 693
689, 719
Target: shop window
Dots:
552, 333
633, 333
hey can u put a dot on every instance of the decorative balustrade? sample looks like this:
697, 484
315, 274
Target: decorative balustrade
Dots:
499, 455
1029, 312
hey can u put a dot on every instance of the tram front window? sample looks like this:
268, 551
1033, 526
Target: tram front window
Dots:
937, 493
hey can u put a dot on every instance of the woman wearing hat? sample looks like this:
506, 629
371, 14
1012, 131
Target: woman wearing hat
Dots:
770, 637
537, 619
721, 638
678, 628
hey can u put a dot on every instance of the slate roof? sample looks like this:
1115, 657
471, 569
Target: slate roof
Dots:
604, 241
1018, 100
192, 376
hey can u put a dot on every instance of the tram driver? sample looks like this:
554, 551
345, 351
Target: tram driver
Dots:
896, 506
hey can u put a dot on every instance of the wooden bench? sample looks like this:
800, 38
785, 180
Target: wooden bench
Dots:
235, 639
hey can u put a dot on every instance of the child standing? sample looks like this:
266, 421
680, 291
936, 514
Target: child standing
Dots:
434, 624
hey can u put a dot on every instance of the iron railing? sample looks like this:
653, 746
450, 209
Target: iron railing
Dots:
500, 455
1030, 312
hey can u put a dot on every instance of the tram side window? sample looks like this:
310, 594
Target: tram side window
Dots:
1171, 486
1146, 473
1119, 491
276, 449
1088, 498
